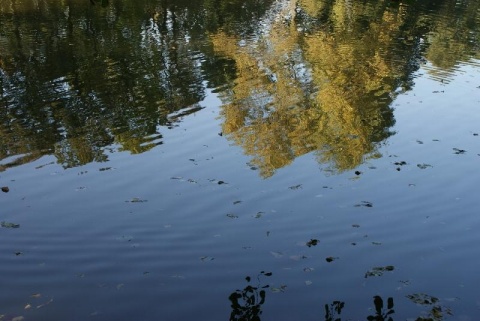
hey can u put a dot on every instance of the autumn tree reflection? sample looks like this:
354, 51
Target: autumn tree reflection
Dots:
320, 76
294, 76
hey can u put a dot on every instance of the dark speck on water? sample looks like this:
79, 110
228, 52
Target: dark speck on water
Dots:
5, 189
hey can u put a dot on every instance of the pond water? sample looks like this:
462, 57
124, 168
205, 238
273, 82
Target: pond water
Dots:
239, 160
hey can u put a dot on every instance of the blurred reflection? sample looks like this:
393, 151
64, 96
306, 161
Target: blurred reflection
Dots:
294, 76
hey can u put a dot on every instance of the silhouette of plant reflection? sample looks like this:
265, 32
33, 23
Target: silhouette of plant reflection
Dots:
437, 312
381, 315
334, 308
247, 303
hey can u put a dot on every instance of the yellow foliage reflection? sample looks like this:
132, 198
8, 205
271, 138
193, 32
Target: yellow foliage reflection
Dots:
327, 91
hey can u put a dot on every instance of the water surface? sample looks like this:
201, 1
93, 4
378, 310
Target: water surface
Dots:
241, 160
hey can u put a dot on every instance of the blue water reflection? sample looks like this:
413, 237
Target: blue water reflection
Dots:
243, 160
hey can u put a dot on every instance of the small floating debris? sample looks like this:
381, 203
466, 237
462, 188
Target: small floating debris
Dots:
5, 189
207, 258
358, 173
459, 151
9, 225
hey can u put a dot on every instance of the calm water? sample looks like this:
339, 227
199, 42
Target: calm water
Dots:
239, 160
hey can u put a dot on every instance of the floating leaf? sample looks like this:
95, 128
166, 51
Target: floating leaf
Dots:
424, 166
378, 271
44, 304
282, 288
364, 203
9, 225
136, 200
422, 299
276, 254
296, 186
259, 214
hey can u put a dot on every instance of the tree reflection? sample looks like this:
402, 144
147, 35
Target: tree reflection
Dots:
294, 77
320, 76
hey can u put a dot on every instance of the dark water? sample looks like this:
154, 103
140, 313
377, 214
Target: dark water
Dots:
239, 160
